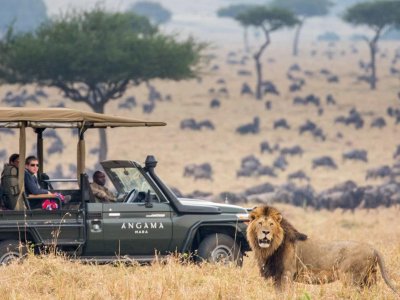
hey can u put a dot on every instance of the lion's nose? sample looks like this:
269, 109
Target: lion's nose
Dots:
265, 232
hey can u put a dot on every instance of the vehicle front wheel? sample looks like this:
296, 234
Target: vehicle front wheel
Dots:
220, 248
11, 250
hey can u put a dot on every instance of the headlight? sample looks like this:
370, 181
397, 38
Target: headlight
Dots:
243, 217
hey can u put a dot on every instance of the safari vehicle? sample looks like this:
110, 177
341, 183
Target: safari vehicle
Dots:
147, 220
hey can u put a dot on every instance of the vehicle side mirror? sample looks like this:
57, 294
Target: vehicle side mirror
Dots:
147, 200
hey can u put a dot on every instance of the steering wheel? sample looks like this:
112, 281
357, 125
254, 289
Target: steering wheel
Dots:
131, 196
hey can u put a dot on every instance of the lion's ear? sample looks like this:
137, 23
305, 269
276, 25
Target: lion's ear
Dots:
252, 216
278, 218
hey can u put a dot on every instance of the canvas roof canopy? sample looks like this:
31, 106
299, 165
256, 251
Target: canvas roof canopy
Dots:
42, 118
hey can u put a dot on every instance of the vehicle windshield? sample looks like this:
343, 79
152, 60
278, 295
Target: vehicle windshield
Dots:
126, 179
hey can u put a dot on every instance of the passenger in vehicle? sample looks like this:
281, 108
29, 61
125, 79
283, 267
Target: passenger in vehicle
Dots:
100, 191
9, 182
32, 186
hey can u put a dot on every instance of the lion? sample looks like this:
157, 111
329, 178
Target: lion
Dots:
286, 255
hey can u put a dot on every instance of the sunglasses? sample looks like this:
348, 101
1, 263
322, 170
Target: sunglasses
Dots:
34, 165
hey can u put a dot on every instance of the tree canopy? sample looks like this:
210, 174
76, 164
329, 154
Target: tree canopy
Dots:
23, 15
375, 14
378, 16
268, 20
152, 10
305, 8
233, 10
93, 56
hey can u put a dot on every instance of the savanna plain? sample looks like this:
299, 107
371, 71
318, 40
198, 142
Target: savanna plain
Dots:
54, 277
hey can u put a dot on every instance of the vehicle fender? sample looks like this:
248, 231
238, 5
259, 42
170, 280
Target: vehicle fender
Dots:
203, 228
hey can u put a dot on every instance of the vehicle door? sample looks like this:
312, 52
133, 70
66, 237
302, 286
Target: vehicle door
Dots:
134, 227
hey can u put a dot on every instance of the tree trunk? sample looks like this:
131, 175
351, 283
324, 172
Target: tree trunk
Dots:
372, 49
257, 58
246, 40
103, 147
295, 51
259, 92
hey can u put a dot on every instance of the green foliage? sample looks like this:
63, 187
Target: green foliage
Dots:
305, 8
96, 47
23, 15
232, 11
152, 10
375, 14
269, 18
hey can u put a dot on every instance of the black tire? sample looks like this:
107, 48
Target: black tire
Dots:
11, 250
220, 248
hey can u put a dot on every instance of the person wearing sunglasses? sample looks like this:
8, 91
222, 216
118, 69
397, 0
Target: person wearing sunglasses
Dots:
32, 186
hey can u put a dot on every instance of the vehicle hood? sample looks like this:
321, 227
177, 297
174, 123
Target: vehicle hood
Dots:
224, 208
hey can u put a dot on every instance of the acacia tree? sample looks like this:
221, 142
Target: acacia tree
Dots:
152, 10
232, 11
378, 16
92, 57
303, 9
268, 20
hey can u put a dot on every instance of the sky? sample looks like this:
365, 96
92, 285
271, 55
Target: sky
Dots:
198, 18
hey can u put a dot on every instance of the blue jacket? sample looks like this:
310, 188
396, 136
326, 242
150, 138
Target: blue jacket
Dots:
32, 186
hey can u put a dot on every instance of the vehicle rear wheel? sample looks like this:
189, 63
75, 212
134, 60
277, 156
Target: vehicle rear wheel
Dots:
11, 250
220, 248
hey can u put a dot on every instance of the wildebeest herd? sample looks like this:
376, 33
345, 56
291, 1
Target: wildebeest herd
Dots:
306, 127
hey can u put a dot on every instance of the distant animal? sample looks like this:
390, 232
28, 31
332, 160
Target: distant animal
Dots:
287, 255
356, 155
383, 171
298, 175
189, 124
269, 88
215, 103
268, 105
295, 150
205, 124
265, 147
378, 123
308, 126
251, 128
330, 100
280, 163
201, 171
324, 161
246, 89
148, 107
281, 123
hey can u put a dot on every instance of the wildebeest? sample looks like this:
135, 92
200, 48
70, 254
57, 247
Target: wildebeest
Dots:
383, 171
215, 103
300, 175
281, 123
246, 89
356, 155
295, 150
252, 128
324, 161
378, 123
201, 171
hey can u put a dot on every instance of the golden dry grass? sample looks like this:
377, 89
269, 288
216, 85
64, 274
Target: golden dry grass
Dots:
54, 277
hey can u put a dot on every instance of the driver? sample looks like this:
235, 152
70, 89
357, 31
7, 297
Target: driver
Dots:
100, 192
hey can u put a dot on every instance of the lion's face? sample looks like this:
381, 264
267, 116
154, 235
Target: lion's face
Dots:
265, 229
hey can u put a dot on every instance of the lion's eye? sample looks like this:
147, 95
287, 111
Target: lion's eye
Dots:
271, 224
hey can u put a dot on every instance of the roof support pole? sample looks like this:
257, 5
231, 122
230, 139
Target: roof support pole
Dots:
39, 143
21, 168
